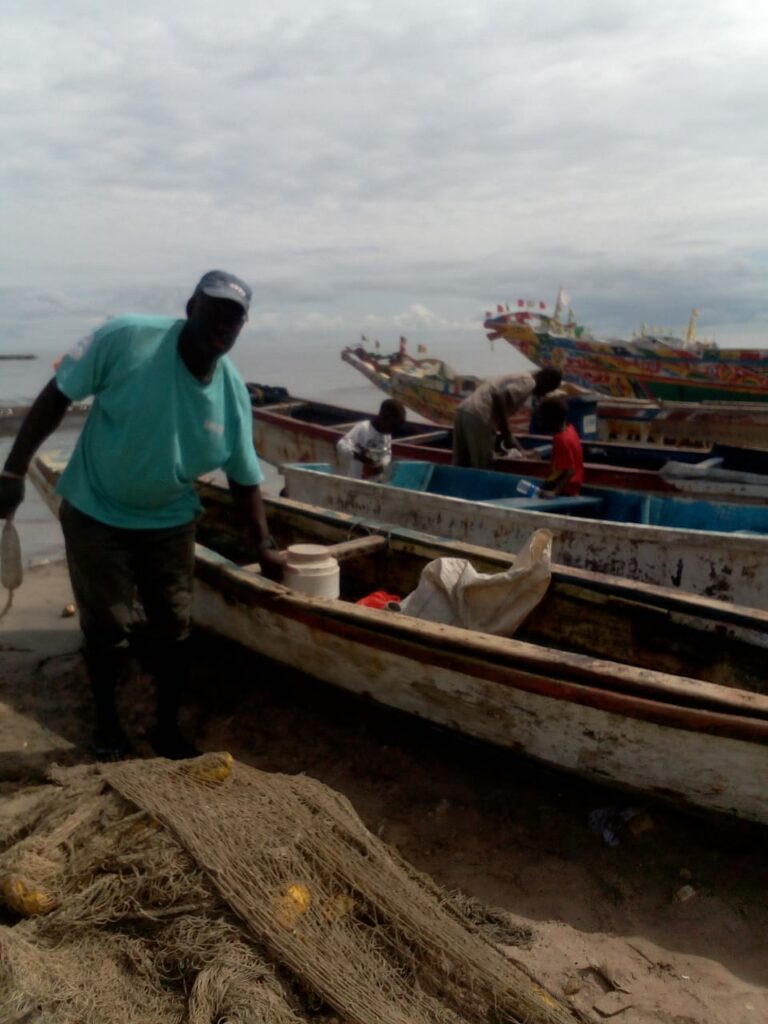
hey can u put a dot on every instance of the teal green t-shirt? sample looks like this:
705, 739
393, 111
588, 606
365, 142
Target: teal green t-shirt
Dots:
153, 428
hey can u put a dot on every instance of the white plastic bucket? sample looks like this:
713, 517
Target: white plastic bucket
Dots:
310, 569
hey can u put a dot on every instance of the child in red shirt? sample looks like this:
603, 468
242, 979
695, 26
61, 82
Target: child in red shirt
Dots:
566, 468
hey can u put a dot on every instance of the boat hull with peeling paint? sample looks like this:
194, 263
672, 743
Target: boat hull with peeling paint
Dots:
730, 566
637, 686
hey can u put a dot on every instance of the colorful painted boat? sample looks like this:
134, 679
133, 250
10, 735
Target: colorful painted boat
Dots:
641, 687
653, 366
428, 387
298, 430
713, 549
436, 397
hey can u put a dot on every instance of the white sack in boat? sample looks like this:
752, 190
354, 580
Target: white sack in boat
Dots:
451, 591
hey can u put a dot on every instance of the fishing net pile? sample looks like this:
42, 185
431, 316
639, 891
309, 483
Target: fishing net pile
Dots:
207, 891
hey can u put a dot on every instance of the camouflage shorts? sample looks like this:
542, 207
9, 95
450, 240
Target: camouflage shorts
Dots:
121, 578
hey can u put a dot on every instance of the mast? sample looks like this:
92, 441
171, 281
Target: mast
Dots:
690, 331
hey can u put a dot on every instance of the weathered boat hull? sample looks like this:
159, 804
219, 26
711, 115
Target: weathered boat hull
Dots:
727, 566
304, 431
427, 387
421, 673
671, 422
684, 423
698, 742
437, 400
649, 367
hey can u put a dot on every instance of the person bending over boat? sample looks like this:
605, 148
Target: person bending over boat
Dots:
168, 406
365, 451
485, 414
566, 467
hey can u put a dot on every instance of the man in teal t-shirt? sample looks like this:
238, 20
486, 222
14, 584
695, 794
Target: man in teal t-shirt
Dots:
168, 406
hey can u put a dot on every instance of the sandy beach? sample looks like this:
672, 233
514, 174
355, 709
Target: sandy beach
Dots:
669, 927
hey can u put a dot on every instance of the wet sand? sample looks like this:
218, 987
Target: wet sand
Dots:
606, 927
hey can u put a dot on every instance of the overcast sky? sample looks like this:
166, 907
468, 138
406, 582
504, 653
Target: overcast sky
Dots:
386, 167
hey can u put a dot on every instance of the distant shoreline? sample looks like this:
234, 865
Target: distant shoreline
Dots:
12, 416
18, 357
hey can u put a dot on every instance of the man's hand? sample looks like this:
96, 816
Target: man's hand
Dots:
511, 453
11, 494
272, 563
364, 456
249, 508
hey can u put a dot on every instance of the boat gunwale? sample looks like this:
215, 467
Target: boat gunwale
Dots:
558, 522
671, 599
486, 655
604, 474
636, 478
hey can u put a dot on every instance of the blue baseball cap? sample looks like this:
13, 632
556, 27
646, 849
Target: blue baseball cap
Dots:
221, 285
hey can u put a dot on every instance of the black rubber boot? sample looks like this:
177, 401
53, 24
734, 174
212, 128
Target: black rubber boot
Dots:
105, 669
169, 665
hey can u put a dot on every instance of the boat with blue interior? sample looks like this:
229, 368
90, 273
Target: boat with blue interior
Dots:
718, 549
300, 430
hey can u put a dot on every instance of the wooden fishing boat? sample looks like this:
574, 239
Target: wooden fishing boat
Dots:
428, 387
642, 687
673, 423
714, 549
298, 430
655, 365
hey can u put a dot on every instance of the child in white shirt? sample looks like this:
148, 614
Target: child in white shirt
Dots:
365, 451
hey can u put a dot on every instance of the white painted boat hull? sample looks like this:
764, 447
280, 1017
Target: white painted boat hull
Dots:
403, 669
729, 567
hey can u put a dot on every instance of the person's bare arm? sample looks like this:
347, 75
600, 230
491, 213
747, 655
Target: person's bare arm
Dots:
43, 418
501, 423
553, 485
249, 508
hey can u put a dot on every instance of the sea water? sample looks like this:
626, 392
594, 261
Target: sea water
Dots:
308, 366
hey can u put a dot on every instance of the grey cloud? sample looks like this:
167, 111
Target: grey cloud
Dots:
393, 155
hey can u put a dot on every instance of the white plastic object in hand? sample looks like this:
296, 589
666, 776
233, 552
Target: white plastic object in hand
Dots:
11, 573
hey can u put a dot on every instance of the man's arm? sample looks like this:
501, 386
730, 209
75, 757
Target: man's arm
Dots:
349, 448
501, 422
40, 422
249, 507
554, 484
